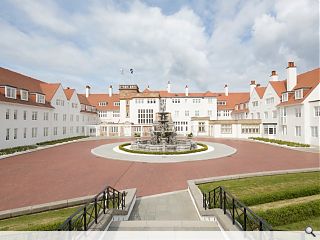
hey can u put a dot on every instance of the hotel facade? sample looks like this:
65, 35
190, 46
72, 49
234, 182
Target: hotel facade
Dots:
33, 111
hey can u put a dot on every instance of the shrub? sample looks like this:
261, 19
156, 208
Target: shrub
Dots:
280, 142
60, 140
16, 149
292, 213
204, 148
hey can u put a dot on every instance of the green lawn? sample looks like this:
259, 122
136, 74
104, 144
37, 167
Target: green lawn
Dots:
287, 198
45, 221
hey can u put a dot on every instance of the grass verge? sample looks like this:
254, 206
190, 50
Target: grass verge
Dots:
16, 149
61, 140
280, 142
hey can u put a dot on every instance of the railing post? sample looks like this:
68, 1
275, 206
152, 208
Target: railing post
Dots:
113, 197
118, 205
85, 218
104, 202
204, 201
95, 210
245, 219
209, 200
260, 225
70, 225
220, 195
123, 204
108, 197
214, 198
224, 202
233, 218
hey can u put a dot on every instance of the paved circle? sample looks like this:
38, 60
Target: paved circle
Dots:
71, 170
112, 151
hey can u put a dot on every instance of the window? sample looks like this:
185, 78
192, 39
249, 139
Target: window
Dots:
317, 111
226, 128
137, 101
298, 94
74, 105
24, 95
11, 92
274, 114
186, 113
298, 112
34, 115
102, 103
314, 131
8, 134
25, 133
255, 104
116, 114
116, 104
64, 117
60, 102
40, 99
55, 116
55, 131
196, 113
284, 130
202, 127
298, 131
270, 100
176, 100
46, 116
270, 129
196, 100
15, 133
45, 131
15, 114
265, 115
34, 132
258, 115
221, 103
8, 114
77, 118
284, 97
151, 100
71, 118
64, 130
250, 129
210, 113
24, 115
252, 115
145, 116
77, 129
71, 130
210, 100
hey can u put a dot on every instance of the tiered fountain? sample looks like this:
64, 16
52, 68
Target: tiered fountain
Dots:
163, 136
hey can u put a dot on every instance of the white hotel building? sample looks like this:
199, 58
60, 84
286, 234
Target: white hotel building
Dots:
33, 111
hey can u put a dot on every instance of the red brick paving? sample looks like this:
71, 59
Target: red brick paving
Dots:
70, 171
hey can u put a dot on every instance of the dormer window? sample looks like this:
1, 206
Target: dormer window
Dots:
40, 98
116, 104
11, 92
298, 94
103, 103
237, 107
284, 97
24, 95
241, 106
221, 103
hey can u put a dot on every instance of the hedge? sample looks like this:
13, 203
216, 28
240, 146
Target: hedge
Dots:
280, 142
204, 148
292, 213
16, 149
61, 140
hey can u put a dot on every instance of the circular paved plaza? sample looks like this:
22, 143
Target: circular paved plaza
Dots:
112, 151
71, 170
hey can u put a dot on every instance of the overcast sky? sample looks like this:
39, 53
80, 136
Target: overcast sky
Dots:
204, 44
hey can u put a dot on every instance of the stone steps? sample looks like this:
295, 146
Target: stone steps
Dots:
161, 225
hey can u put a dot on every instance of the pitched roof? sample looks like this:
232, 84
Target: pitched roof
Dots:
95, 98
49, 89
166, 94
260, 91
279, 86
83, 100
232, 99
307, 81
19, 81
68, 92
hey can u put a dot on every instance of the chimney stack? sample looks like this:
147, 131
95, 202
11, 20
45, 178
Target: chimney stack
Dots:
226, 90
274, 76
110, 91
291, 76
148, 87
87, 91
187, 90
169, 87
252, 86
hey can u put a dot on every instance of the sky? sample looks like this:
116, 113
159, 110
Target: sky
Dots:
204, 44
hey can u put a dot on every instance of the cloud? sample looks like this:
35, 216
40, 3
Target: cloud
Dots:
199, 44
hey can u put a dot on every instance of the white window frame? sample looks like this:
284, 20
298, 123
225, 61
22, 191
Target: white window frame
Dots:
314, 131
40, 98
24, 95
284, 97
317, 111
298, 94
10, 92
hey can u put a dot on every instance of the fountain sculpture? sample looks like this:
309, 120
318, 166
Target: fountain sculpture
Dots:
163, 136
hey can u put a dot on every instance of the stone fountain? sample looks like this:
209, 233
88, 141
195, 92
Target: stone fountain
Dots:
163, 136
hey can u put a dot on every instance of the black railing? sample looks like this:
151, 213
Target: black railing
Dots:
241, 215
88, 214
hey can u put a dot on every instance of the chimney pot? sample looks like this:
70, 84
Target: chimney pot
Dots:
169, 87
291, 64
110, 91
87, 91
274, 76
187, 90
291, 76
253, 82
226, 90
273, 73
258, 85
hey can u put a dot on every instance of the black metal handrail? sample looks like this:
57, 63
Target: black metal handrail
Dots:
87, 215
241, 215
